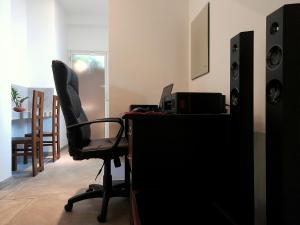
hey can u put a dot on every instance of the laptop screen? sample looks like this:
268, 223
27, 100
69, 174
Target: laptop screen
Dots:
167, 90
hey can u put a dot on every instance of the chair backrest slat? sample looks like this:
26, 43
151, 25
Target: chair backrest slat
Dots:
37, 118
55, 115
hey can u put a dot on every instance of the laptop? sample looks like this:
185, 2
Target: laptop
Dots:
167, 91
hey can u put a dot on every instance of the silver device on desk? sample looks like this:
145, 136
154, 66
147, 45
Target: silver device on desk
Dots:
167, 91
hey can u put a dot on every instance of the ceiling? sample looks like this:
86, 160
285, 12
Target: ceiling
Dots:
98, 7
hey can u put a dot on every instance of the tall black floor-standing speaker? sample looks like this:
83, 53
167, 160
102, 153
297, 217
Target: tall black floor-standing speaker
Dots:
240, 162
283, 116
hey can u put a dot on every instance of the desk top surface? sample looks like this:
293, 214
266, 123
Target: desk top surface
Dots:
159, 115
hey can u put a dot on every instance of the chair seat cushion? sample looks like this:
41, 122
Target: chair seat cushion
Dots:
21, 140
45, 133
102, 148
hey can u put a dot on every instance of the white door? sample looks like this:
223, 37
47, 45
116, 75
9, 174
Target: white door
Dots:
91, 70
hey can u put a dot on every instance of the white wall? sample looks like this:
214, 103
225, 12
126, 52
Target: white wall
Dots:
45, 28
148, 49
87, 33
87, 38
41, 42
46, 40
19, 52
19, 40
60, 25
98, 19
5, 112
228, 18
61, 53
36, 30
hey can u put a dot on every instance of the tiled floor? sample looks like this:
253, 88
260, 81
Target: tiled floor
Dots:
40, 200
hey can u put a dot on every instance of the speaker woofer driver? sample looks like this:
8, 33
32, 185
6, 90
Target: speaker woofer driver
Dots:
274, 57
234, 97
234, 70
274, 92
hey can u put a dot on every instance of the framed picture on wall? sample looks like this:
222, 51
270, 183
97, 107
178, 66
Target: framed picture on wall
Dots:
200, 43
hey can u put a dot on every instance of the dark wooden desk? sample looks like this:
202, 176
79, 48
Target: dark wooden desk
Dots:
174, 165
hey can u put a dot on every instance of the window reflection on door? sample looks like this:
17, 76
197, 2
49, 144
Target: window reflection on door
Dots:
90, 68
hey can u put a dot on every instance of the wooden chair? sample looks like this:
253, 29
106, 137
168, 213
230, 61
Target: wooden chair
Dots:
54, 134
33, 144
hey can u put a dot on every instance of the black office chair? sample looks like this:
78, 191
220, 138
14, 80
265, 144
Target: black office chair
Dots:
82, 147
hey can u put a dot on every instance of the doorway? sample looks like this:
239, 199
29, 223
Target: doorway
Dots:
93, 87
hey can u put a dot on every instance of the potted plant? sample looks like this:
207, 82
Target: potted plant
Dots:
18, 100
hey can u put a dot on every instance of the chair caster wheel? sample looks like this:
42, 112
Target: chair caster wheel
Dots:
101, 219
68, 207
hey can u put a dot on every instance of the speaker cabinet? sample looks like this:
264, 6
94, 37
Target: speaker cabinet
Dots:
283, 116
239, 158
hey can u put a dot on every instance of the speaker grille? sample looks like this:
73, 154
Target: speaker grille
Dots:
274, 57
235, 97
234, 70
274, 92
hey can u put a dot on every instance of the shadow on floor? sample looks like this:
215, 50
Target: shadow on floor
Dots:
86, 212
25, 170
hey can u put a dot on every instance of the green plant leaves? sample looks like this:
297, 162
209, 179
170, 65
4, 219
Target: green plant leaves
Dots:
16, 98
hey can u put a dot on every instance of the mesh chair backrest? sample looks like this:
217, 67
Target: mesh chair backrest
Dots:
66, 82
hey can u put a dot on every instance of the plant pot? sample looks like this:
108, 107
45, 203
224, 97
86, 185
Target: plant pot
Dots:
19, 109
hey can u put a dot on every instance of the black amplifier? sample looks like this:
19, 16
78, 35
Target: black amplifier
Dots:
194, 103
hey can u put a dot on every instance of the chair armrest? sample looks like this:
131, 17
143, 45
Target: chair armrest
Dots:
103, 120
